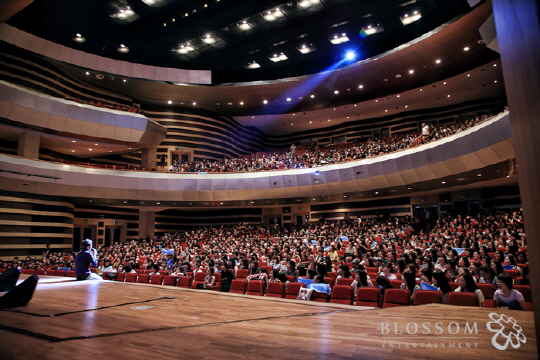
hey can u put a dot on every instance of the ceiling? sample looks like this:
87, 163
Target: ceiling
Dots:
153, 29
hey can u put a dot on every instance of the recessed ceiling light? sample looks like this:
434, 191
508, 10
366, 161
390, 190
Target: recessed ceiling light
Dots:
360, 86
466, 48
448, 95
468, 75
72, 140
444, 83
406, 106
194, 103
169, 102
409, 188
438, 61
241, 103
221, 203
253, 65
494, 65
336, 92
87, 73
244, 25
376, 193
124, 80
398, 96
411, 71
328, 119
495, 81
123, 49
72, 150
292, 124
90, 149
265, 102
289, 99
311, 122
376, 100
478, 174
444, 182
385, 110
420, 89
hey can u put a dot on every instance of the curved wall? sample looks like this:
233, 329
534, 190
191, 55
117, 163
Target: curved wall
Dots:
481, 146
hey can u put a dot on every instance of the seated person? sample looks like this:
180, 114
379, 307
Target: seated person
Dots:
86, 257
441, 281
387, 272
467, 284
506, 297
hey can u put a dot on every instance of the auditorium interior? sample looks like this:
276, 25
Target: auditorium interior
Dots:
126, 120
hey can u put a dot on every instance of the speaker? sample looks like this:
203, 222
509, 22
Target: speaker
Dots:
8, 279
21, 295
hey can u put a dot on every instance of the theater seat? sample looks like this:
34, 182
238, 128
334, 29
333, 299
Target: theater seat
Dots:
453, 285
242, 273
368, 296
217, 283
143, 279
199, 279
488, 290
319, 296
183, 282
292, 290
395, 298
71, 273
131, 277
169, 280
120, 277
255, 287
238, 286
525, 290
422, 297
462, 299
156, 279
513, 273
342, 294
30, 271
345, 281
396, 284
50, 272
275, 289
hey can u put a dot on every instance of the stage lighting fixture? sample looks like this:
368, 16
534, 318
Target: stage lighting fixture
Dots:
350, 55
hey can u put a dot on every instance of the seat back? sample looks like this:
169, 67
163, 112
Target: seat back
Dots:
396, 284
40, 272
169, 280
71, 273
422, 297
396, 297
368, 296
156, 279
50, 272
131, 277
183, 282
462, 299
199, 277
513, 273
330, 281
525, 290
319, 296
119, 277
238, 286
292, 290
143, 279
342, 294
242, 273
345, 281
488, 290
30, 271
453, 285
275, 289
256, 287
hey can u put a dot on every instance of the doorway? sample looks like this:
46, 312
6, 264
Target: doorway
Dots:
112, 235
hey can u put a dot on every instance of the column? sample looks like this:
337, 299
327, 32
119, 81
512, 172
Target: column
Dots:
518, 33
149, 158
28, 146
147, 223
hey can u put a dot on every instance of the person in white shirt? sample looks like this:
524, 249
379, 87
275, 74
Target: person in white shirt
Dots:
386, 272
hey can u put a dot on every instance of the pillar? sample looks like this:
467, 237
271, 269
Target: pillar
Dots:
28, 146
147, 223
149, 158
518, 33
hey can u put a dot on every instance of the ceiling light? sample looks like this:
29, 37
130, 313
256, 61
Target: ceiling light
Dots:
90, 149
124, 14
385, 110
420, 89
339, 39
169, 102
336, 92
360, 86
494, 65
72, 140
466, 48
151, 2
124, 80
495, 81
253, 65
376, 193
244, 25
398, 96
478, 174
304, 49
308, 3
438, 61
241, 103
328, 119
194, 103
444, 182
448, 96
411, 71
72, 150
312, 96
272, 15
370, 30
409, 19
123, 49
468, 75
184, 49
350, 55
288, 99
79, 38
87, 73
95, 144
208, 39
311, 122
278, 58
265, 102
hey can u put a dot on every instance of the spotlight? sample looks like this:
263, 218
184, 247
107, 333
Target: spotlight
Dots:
350, 55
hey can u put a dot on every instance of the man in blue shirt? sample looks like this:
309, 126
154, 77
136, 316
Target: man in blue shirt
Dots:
86, 258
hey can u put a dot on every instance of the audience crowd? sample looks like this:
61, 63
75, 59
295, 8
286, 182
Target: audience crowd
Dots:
466, 250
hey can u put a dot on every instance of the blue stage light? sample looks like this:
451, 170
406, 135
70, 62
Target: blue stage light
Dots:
350, 55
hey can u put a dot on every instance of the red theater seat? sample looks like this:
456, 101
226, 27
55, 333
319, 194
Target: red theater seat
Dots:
292, 290
131, 277
422, 297
342, 294
183, 282
50, 272
525, 290
199, 279
143, 279
156, 279
396, 284
368, 296
275, 289
462, 299
345, 281
242, 273
169, 280
71, 273
255, 287
120, 277
395, 298
488, 290
238, 286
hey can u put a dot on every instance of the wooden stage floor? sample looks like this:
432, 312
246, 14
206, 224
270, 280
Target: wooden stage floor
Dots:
111, 320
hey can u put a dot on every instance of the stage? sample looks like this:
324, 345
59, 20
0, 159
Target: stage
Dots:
69, 319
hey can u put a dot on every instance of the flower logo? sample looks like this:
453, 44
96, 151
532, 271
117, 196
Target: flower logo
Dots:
506, 330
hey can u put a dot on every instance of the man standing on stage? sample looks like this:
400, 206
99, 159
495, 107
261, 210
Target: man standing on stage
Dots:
85, 258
